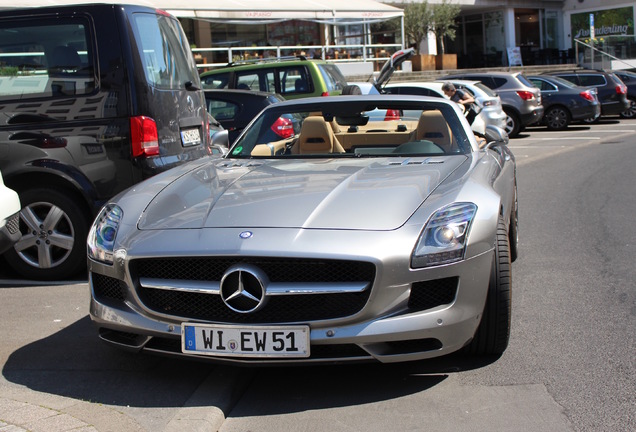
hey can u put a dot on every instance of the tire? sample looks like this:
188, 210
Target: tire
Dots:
591, 120
351, 89
513, 229
493, 333
513, 124
557, 118
630, 112
54, 231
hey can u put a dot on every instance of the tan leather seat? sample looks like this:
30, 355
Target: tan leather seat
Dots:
316, 137
433, 127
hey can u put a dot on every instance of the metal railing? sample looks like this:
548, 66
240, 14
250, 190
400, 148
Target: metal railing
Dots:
208, 58
608, 52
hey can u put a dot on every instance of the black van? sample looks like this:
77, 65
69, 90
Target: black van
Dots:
93, 99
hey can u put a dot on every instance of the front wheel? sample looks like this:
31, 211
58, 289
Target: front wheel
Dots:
591, 120
53, 242
630, 112
493, 333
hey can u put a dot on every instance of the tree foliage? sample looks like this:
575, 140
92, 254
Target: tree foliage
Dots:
420, 18
417, 20
444, 24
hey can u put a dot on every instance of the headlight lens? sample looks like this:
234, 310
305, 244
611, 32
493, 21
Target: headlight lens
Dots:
443, 240
101, 238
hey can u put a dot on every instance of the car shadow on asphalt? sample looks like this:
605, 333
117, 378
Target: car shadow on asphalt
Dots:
74, 363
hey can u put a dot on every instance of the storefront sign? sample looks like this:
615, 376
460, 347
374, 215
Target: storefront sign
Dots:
606, 22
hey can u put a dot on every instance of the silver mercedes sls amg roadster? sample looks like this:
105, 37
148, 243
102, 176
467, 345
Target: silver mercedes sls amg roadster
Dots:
320, 235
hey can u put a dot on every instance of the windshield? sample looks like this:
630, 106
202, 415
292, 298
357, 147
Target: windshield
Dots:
164, 51
355, 128
334, 80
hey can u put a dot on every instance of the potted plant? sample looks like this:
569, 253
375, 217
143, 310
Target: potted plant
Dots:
443, 25
417, 19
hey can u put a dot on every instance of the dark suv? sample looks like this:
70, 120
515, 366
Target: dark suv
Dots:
612, 93
520, 99
93, 99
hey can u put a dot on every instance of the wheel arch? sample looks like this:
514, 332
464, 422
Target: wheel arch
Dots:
29, 180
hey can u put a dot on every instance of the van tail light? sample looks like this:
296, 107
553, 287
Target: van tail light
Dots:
621, 89
525, 95
392, 115
587, 95
144, 137
325, 94
283, 127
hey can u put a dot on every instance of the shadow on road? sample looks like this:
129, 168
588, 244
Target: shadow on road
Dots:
74, 363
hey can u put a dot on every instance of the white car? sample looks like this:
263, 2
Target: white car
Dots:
9, 217
490, 104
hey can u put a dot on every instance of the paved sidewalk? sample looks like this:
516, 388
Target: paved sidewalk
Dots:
18, 416
23, 409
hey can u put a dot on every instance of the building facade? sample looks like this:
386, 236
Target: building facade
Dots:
542, 32
488, 33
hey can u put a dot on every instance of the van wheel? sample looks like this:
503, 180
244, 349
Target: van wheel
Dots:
493, 332
513, 124
54, 231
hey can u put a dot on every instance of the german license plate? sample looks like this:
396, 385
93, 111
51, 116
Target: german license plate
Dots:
245, 341
190, 137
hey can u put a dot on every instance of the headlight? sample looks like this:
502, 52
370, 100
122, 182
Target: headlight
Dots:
101, 238
443, 239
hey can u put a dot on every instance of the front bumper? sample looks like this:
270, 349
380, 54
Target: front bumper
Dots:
387, 328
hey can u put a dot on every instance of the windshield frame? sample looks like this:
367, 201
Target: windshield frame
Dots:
330, 109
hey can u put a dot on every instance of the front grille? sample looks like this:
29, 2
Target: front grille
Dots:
13, 224
433, 293
278, 309
107, 288
277, 269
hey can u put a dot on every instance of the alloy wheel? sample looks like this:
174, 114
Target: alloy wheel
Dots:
557, 118
47, 235
630, 112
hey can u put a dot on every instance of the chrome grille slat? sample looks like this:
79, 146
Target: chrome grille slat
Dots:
280, 288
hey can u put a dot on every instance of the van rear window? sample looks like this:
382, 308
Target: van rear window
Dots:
45, 58
164, 50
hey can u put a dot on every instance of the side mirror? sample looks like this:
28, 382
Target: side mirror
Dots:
220, 142
496, 136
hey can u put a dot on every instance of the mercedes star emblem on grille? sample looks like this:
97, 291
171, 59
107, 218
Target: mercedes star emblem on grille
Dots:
243, 288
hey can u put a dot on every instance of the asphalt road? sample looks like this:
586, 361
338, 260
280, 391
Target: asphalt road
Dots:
570, 365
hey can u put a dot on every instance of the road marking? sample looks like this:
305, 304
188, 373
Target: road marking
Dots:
554, 139
535, 147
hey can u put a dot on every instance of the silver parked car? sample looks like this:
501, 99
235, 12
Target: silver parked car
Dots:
351, 240
521, 100
488, 101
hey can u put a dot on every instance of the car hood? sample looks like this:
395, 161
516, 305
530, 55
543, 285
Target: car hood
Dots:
348, 194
